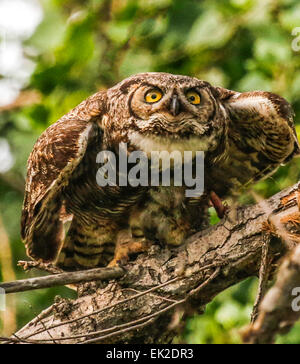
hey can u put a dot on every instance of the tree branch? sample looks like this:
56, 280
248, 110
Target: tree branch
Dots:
62, 279
279, 310
172, 283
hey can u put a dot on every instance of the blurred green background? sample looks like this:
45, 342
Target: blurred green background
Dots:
69, 49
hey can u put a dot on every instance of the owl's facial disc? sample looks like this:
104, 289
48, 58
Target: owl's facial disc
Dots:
175, 112
171, 119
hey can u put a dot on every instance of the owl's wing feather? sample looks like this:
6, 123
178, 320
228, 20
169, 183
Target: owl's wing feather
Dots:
53, 160
261, 137
266, 116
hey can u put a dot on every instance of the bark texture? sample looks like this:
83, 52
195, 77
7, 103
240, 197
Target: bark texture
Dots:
280, 308
160, 288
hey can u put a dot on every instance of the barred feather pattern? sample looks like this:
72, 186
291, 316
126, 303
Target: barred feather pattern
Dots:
245, 137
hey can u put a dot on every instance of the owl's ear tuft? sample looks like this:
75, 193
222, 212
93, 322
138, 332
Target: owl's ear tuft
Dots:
222, 94
126, 85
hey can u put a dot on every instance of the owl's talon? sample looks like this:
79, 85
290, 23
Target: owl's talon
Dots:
125, 249
119, 260
114, 263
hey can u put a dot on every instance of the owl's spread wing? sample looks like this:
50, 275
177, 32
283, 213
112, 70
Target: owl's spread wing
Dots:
53, 160
261, 137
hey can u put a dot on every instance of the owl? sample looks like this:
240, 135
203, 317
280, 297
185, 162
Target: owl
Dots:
69, 219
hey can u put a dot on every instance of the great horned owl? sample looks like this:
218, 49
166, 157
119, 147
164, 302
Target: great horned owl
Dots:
244, 137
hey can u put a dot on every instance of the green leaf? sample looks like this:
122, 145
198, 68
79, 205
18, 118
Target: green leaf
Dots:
210, 30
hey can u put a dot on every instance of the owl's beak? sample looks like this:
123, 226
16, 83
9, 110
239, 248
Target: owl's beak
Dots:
175, 105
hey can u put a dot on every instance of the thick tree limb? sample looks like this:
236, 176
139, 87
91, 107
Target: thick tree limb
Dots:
173, 283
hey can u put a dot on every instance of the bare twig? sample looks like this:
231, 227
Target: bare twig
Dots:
150, 319
153, 295
264, 274
47, 267
279, 310
100, 274
202, 285
117, 333
15, 340
275, 313
97, 312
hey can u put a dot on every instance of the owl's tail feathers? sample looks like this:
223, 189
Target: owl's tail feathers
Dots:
66, 259
87, 246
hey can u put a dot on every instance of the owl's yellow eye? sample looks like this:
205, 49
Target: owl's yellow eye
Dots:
193, 97
153, 96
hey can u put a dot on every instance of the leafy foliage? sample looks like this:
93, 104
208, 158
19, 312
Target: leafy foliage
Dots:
83, 46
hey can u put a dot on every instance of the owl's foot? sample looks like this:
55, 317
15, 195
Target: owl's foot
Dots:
128, 246
219, 206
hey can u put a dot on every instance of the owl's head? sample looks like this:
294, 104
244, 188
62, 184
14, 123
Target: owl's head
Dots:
169, 111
